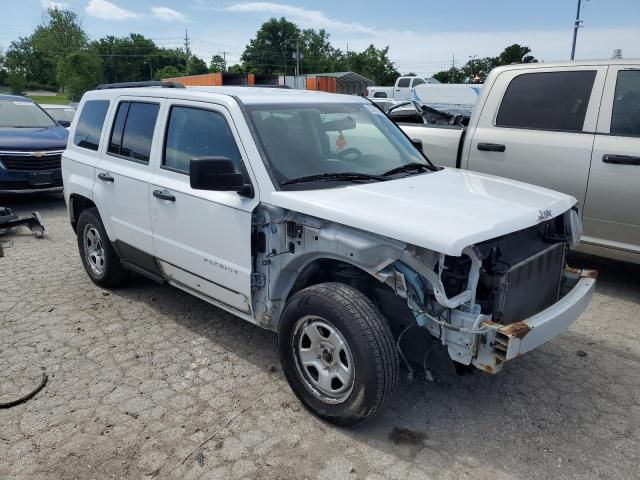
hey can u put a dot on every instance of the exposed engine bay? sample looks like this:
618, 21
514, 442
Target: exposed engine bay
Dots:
474, 305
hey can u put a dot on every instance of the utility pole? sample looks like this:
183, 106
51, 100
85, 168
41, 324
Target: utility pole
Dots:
348, 59
453, 69
576, 26
224, 61
297, 57
187, 50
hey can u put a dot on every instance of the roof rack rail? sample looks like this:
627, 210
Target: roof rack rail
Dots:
150, 83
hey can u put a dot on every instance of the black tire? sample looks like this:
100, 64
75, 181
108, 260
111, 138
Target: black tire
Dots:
369, 341
112, 273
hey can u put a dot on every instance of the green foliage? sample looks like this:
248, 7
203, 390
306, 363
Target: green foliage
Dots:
476, 70
82, 70
272, 49
16, 82
217, 64
167, 72
3, 70
197, 66
236, 69
375, 64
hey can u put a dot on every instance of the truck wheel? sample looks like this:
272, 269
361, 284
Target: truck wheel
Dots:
338, 353
99, 258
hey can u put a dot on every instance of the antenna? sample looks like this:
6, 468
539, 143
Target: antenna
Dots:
187, 50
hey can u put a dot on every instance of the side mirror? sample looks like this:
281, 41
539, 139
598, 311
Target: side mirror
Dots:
64, 123
218, 174
417, 143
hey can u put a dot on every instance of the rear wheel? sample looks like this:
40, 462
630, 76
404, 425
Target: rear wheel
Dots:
99, 258
338, 353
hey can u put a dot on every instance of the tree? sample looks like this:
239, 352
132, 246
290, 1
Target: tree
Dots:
60, 35
272, 49
23, 60
167, 72
375, 64
197, 66
318, 55
236, 69
480, 67
82, 71
453, 75
218, 64
3, 70
410, 74
516, 54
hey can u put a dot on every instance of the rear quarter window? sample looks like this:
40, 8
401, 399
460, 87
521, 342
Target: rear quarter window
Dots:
90, 123
555, 101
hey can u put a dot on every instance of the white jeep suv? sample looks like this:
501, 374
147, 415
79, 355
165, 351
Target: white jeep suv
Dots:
314, 216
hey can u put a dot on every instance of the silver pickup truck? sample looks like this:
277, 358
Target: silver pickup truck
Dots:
572, 127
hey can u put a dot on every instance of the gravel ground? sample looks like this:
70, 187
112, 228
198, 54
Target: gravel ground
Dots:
139, 377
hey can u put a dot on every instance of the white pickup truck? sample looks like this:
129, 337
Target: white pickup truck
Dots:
312, 215
401, 90
572, 127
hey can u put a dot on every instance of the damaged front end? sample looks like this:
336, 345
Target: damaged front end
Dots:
499, 299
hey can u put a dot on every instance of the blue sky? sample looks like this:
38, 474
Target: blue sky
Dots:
423, 35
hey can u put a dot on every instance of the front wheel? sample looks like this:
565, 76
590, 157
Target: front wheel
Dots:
338, 353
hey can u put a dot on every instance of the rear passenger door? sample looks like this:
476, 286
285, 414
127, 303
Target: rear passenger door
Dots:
538, 127
123, 174
612, 212
202, 239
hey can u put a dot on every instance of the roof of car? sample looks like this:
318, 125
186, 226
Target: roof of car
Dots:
15, 98
574, 63
247, 95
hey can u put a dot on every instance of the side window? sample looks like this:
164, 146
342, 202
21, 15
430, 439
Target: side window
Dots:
90, 124
404, 82
194, 132
625, 119
380, 95
132, 131
547, 101
418, 81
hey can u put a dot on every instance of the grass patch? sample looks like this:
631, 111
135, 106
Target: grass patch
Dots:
57, 99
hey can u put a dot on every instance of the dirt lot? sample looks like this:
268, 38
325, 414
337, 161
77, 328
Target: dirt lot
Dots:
140, 376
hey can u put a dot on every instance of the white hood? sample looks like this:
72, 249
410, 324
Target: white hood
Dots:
443, 211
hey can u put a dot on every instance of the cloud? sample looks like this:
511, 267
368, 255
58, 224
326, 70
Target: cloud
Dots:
304, 17
53, 5
108, 11
168, 14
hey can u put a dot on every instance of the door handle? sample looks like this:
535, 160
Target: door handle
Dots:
491, 147
105, 177
164, 195
620, 159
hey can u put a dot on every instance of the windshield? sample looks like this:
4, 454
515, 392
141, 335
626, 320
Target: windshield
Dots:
61, 114
307, 139
23, 114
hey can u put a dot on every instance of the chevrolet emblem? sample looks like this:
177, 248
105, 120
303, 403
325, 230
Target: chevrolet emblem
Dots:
37, 154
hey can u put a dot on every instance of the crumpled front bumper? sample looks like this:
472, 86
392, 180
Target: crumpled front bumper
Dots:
505, 342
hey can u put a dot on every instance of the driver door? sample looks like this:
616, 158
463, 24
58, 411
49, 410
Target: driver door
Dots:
202, 239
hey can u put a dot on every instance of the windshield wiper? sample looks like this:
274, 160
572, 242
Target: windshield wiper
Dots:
328, 177
408, 168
